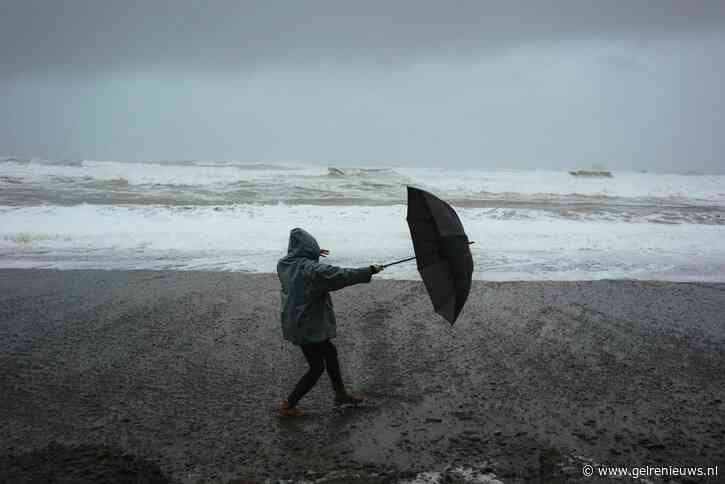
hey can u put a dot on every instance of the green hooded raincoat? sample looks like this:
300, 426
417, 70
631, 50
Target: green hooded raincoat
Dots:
306, 307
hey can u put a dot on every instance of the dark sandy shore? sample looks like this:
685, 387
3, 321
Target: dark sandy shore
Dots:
176, 377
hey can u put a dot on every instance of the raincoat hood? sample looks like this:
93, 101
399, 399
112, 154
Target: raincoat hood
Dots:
302, 244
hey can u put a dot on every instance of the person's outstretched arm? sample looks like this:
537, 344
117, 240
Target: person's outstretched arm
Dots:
328, 278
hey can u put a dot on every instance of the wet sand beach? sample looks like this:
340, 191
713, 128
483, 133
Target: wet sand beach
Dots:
153, 376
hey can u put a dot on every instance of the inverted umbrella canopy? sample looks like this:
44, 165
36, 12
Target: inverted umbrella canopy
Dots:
441, 251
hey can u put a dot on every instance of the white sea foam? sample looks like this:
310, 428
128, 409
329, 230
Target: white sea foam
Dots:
463, 474
254, 237
237, 216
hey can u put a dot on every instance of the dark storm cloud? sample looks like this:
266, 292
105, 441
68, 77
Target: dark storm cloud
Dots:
82, 36
510, 84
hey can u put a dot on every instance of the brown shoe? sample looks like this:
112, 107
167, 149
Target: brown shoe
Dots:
347, 399
286, 411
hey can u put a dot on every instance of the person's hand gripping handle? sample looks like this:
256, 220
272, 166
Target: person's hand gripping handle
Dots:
375, 268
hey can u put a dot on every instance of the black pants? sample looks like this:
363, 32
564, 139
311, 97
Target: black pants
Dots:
318, 355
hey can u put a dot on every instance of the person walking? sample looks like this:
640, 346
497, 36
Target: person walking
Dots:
307, 317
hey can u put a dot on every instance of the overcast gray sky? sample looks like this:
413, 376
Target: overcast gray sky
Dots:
535, 84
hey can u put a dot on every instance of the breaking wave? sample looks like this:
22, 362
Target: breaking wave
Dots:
510, 243
506, 195
347, 172
192, 215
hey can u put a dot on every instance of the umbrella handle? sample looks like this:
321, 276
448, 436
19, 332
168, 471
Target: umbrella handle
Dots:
410, 258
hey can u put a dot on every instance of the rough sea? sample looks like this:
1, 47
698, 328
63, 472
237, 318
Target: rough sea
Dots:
226, 216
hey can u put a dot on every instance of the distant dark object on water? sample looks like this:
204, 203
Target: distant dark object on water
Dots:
331, 171
599, 173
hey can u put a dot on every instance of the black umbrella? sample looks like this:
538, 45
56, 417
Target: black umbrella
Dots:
441, 252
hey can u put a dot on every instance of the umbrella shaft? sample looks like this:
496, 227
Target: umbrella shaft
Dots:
409, 258
399, 261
